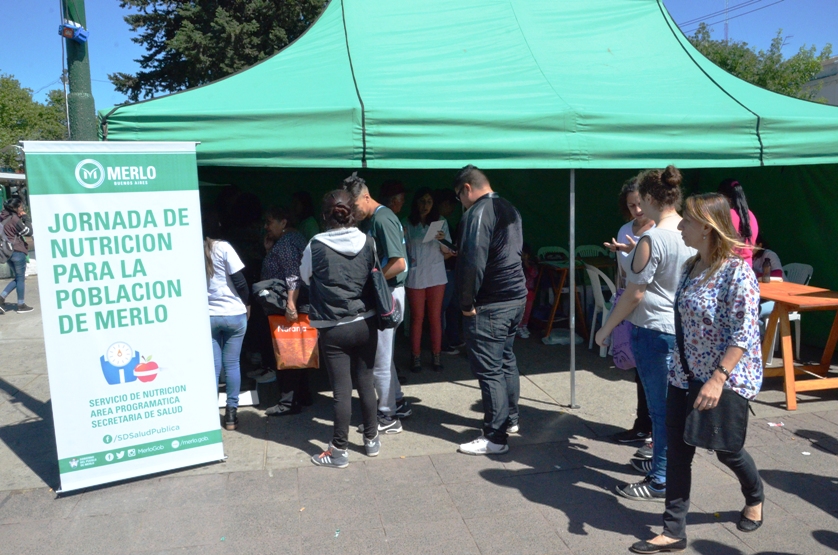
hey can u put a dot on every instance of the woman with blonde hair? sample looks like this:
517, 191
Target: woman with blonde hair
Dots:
717, 306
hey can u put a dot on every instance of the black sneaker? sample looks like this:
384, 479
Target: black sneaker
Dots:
389, 426
437, 365
631, 436
416, 367
450, 351
459, 345
385, 426
2, 310
24, 308
647, 490
403, 409
643, 466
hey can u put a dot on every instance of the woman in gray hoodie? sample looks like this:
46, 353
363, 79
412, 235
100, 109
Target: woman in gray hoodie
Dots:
336, 265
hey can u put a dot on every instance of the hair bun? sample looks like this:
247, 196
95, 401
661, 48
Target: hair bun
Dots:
341, 213
671, 176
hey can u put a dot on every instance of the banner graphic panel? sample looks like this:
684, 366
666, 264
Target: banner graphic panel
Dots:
123, 298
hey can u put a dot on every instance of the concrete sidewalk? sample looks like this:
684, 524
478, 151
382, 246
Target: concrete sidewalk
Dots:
552, 493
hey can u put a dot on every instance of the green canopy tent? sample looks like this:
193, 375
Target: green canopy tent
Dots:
511, 84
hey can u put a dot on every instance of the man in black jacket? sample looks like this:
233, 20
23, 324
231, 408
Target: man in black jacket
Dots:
492, 293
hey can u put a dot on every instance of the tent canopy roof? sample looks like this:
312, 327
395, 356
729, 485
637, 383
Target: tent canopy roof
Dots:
496, 83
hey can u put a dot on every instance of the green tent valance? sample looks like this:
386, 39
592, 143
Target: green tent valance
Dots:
498, 83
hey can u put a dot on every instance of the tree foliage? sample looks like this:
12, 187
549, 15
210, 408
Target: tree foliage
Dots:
766, 69
193, 42
24, 119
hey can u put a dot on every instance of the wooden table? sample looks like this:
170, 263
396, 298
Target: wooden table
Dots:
557, 272
792, 297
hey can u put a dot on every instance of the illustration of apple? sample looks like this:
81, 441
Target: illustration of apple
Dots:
146, 371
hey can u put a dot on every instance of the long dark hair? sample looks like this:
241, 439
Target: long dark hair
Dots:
629, 186
736, 197
13, 204
415, 218
210, 226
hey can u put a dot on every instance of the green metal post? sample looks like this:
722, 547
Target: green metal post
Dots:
80, 100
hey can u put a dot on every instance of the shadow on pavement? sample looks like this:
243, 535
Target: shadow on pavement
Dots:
33, 439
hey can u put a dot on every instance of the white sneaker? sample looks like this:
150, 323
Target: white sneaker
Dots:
512, 429
482, 446
523, 333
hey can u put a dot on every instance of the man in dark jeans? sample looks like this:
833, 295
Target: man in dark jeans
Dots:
492, 292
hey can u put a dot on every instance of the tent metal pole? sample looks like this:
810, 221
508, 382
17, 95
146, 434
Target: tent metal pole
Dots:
572, 271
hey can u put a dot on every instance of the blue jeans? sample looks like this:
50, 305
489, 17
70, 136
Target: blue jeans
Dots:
227, 337
17, 263
490, 335
653, 352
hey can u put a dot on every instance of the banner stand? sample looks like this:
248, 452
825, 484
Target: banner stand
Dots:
123, 299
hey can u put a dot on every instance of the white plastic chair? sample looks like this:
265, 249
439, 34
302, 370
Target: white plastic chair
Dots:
601, 306
794, 273
798, 273
590, 251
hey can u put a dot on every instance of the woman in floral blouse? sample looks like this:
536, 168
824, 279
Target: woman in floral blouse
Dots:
718, 304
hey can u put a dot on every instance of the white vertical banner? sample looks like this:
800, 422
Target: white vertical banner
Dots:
123, 298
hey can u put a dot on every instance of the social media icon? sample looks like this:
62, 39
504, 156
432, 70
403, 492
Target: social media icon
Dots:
175, 444
120, 454
132, 452
108, 438
109, 457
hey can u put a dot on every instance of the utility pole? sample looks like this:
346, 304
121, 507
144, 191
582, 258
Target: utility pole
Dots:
80, 105
726, 5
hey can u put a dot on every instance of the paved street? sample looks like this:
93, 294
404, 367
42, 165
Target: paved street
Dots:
552, 493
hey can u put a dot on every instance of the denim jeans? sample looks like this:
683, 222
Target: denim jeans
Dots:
227, 337
17, 263
652, 353
490, 336
679, 468
384, 373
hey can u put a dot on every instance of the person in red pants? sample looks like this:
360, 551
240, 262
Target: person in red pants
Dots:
426, 276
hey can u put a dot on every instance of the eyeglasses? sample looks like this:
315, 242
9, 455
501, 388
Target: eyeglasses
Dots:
459, 194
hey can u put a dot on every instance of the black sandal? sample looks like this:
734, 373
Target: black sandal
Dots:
745, 524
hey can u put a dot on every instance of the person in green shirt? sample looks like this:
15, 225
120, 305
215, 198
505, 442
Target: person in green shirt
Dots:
384, 227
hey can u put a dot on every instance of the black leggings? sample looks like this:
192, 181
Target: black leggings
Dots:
679, 460
346, 350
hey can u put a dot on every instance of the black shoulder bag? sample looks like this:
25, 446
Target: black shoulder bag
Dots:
387, 311
721, 428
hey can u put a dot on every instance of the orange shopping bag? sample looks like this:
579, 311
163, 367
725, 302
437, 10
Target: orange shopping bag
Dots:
295, 343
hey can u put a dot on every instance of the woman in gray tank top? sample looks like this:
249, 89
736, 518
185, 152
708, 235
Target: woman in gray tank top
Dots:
648, 303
